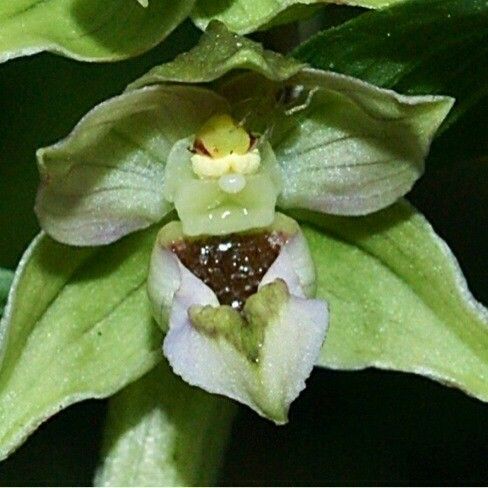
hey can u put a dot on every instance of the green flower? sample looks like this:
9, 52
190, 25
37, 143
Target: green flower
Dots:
326, 148
224, 154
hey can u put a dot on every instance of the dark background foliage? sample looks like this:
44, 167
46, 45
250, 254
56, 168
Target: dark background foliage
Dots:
367, 427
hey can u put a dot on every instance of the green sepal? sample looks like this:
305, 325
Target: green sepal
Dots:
352, 148
219, 52
106, 178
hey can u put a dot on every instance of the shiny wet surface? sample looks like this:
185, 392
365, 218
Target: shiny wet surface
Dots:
231, 265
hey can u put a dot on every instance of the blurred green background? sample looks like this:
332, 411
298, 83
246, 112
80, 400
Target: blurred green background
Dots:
367, 427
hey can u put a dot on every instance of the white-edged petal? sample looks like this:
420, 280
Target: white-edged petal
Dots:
294, 265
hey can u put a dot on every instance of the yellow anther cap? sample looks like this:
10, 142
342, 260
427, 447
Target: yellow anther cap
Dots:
221, 136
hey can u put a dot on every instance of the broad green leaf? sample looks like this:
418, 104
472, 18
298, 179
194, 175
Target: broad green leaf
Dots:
77, 325
87, 30
218, 52
6, 277
445, 51
244, 17
398, 299
106, 179
162, 432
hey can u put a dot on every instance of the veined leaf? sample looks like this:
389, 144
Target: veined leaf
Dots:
445, 51
6, 277
163, 432
87, 30
77, 325
398, 299
243, 17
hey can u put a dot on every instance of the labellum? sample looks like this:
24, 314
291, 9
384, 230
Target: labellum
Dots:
230, 280
239, 323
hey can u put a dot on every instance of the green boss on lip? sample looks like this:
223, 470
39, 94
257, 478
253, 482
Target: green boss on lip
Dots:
225, 149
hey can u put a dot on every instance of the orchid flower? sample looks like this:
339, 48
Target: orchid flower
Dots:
225, 134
